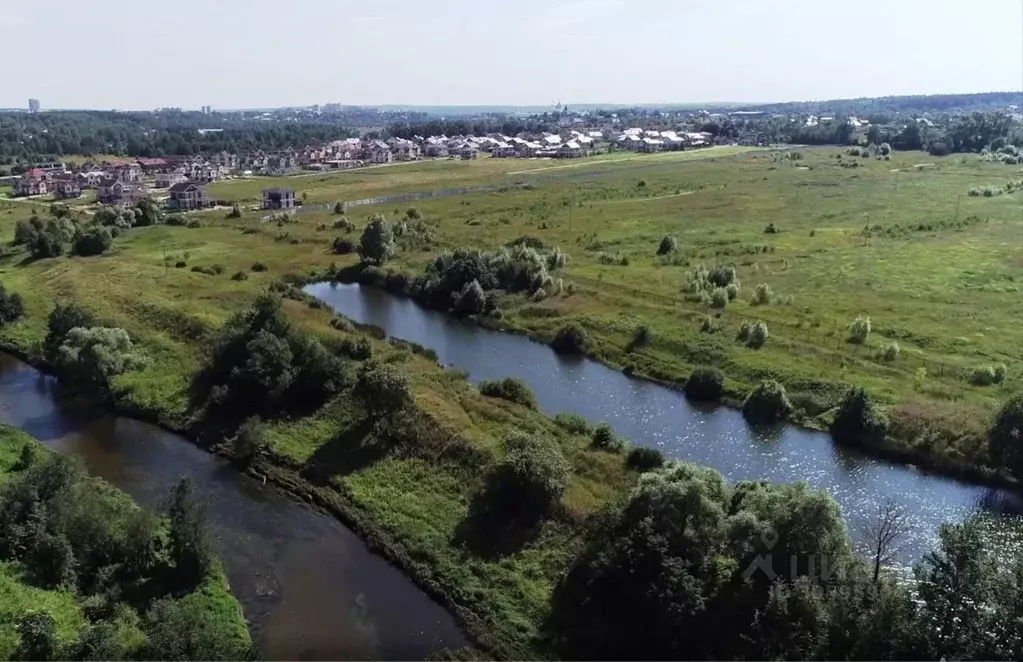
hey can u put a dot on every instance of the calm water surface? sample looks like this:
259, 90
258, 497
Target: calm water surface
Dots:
311, 589
652, 415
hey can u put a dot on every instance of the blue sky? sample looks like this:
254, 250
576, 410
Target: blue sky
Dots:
261, 53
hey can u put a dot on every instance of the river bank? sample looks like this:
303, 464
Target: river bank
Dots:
910, 444
273, 562
24, 591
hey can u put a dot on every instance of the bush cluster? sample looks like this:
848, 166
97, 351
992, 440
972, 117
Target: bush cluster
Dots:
767, 403
705, 384
512, 389
753, 334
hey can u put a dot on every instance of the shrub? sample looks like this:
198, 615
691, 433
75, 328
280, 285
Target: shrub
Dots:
644, 459
344, 224
250, 441
705, 384
93, 241
988, 375
512, 389
573, 424
240, 275
530, 479
604, 438
343, 246
342, 324
1004, 439
193, 224
853, 151
643, 336
413, 214
235, 212
339, 207
732, 291
180, 264
771, 229
891, 352
753, 334
707, 325
719, 298
472, 300
762, 295
383, 388
258, 266
858, 421
641, 183
767, 403
11, 306
721, 276
859, 330
668, 245
570, 339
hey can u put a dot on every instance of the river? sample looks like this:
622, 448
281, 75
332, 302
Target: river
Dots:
310, 588
652, 415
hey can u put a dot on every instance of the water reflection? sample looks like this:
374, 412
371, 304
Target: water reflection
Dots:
309, 586
656, 416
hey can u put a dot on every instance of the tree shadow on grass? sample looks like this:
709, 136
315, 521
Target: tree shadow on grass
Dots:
348, 451
497, 524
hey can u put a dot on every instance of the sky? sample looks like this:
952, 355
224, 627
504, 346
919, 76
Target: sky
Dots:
268, 53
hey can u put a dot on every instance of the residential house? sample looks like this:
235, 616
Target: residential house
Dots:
169, 179
527, 149
154, 166
129, 173
502, 150
90, 178
285, 163
570, 150
631, 142
185, 196
436, 149
225, 159
66, 188
405, 150
552, 140
117, 192
379, 152
34, 182
651, 145
278, 198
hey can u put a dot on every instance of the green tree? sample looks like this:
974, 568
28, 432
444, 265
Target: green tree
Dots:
147, 212
1005, 436
11, 306
37, 634
530, 479
859, 420
63, 318
377, 242
189, 549
383, 388
94, 355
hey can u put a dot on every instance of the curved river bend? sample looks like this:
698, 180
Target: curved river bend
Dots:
653, 415
310, 588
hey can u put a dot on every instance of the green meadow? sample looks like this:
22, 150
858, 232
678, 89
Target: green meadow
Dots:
899, 241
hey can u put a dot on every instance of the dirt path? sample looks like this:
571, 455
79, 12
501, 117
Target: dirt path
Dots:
656, 197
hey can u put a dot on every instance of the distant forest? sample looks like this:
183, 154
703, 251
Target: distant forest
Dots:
920, 103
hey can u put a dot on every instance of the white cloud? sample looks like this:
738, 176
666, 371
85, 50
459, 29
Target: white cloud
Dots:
12, 20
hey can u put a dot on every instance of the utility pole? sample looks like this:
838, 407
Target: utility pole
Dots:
163, 247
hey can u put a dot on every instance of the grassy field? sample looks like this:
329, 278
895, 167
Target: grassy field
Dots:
900, 241
935, 272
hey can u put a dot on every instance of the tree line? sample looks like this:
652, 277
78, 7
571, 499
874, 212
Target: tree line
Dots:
34, 138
